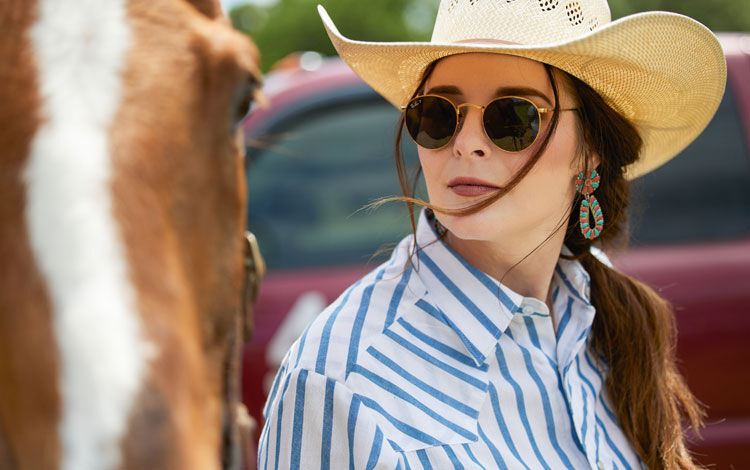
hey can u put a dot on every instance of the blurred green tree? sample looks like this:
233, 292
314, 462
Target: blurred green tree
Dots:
718, 15
285, 26
294, 25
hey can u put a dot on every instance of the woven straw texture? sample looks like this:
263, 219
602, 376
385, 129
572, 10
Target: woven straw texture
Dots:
663, 71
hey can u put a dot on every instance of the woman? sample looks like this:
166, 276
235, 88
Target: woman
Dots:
497, 336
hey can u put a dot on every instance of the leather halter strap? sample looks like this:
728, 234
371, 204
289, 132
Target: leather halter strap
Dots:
238, 425
255, 269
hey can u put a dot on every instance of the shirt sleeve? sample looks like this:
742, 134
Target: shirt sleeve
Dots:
313, 421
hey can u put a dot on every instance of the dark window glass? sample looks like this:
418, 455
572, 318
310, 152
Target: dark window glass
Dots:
308, 187
702, 194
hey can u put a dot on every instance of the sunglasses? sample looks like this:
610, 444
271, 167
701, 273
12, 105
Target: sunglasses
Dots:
512, 123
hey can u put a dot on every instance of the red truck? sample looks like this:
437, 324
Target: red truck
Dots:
323, 149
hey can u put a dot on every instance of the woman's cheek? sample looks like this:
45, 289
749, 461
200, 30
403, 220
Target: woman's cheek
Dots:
431, 172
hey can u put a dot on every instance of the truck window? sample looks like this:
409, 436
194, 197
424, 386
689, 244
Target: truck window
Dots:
308, 188
703, 194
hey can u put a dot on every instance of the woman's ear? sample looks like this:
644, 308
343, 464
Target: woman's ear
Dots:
590, 160
594, 160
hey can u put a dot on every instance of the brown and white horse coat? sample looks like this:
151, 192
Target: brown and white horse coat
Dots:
122, 207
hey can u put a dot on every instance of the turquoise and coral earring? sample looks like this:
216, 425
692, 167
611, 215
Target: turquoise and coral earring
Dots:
586, 184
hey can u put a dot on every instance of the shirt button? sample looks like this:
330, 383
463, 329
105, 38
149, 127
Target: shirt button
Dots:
600, 465
527, 310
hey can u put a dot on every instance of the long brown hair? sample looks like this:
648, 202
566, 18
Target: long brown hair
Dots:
634, 334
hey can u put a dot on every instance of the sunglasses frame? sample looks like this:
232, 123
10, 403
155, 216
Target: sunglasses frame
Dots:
540, 111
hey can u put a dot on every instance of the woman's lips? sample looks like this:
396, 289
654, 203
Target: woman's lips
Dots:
471, 186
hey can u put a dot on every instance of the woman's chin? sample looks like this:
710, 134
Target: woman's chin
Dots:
471, 227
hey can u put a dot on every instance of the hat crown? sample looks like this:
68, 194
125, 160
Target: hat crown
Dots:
528, 22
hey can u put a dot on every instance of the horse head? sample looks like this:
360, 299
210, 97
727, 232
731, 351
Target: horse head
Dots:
122, 214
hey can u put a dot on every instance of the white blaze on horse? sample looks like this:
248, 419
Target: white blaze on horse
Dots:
122, 210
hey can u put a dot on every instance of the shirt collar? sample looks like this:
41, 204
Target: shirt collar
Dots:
478, 307
573, 276
472, 303
574, 313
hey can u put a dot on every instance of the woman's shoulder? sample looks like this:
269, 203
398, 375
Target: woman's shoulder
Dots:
332, 341
601, 256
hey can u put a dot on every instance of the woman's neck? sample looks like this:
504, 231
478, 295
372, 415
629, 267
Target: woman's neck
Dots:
531, 277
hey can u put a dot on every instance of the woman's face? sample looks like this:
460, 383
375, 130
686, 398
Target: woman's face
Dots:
471, 167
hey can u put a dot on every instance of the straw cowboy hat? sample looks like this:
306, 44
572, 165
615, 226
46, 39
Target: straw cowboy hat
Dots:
663, 71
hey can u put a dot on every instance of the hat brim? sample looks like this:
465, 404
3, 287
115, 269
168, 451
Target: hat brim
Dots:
662, 71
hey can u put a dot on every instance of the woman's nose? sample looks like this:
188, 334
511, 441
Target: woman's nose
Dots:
470, 138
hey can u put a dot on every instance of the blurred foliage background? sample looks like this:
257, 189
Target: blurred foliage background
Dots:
281, 27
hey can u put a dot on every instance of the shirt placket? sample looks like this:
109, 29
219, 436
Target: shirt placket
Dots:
534, 328
580, 400
584, 413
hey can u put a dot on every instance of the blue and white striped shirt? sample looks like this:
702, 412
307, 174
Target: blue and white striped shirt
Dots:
434, 364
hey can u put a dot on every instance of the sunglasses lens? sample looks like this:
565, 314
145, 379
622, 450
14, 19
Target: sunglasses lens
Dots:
431, 121
511, 123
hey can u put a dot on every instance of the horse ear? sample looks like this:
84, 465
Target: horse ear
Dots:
210, 8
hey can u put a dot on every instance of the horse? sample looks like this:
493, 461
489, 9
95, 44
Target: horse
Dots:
122, 249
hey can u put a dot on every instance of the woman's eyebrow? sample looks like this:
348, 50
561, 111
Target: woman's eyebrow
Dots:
502, 91
444, 90
521, 91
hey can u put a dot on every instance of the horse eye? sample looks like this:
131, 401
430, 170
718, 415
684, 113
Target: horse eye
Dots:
243, 99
